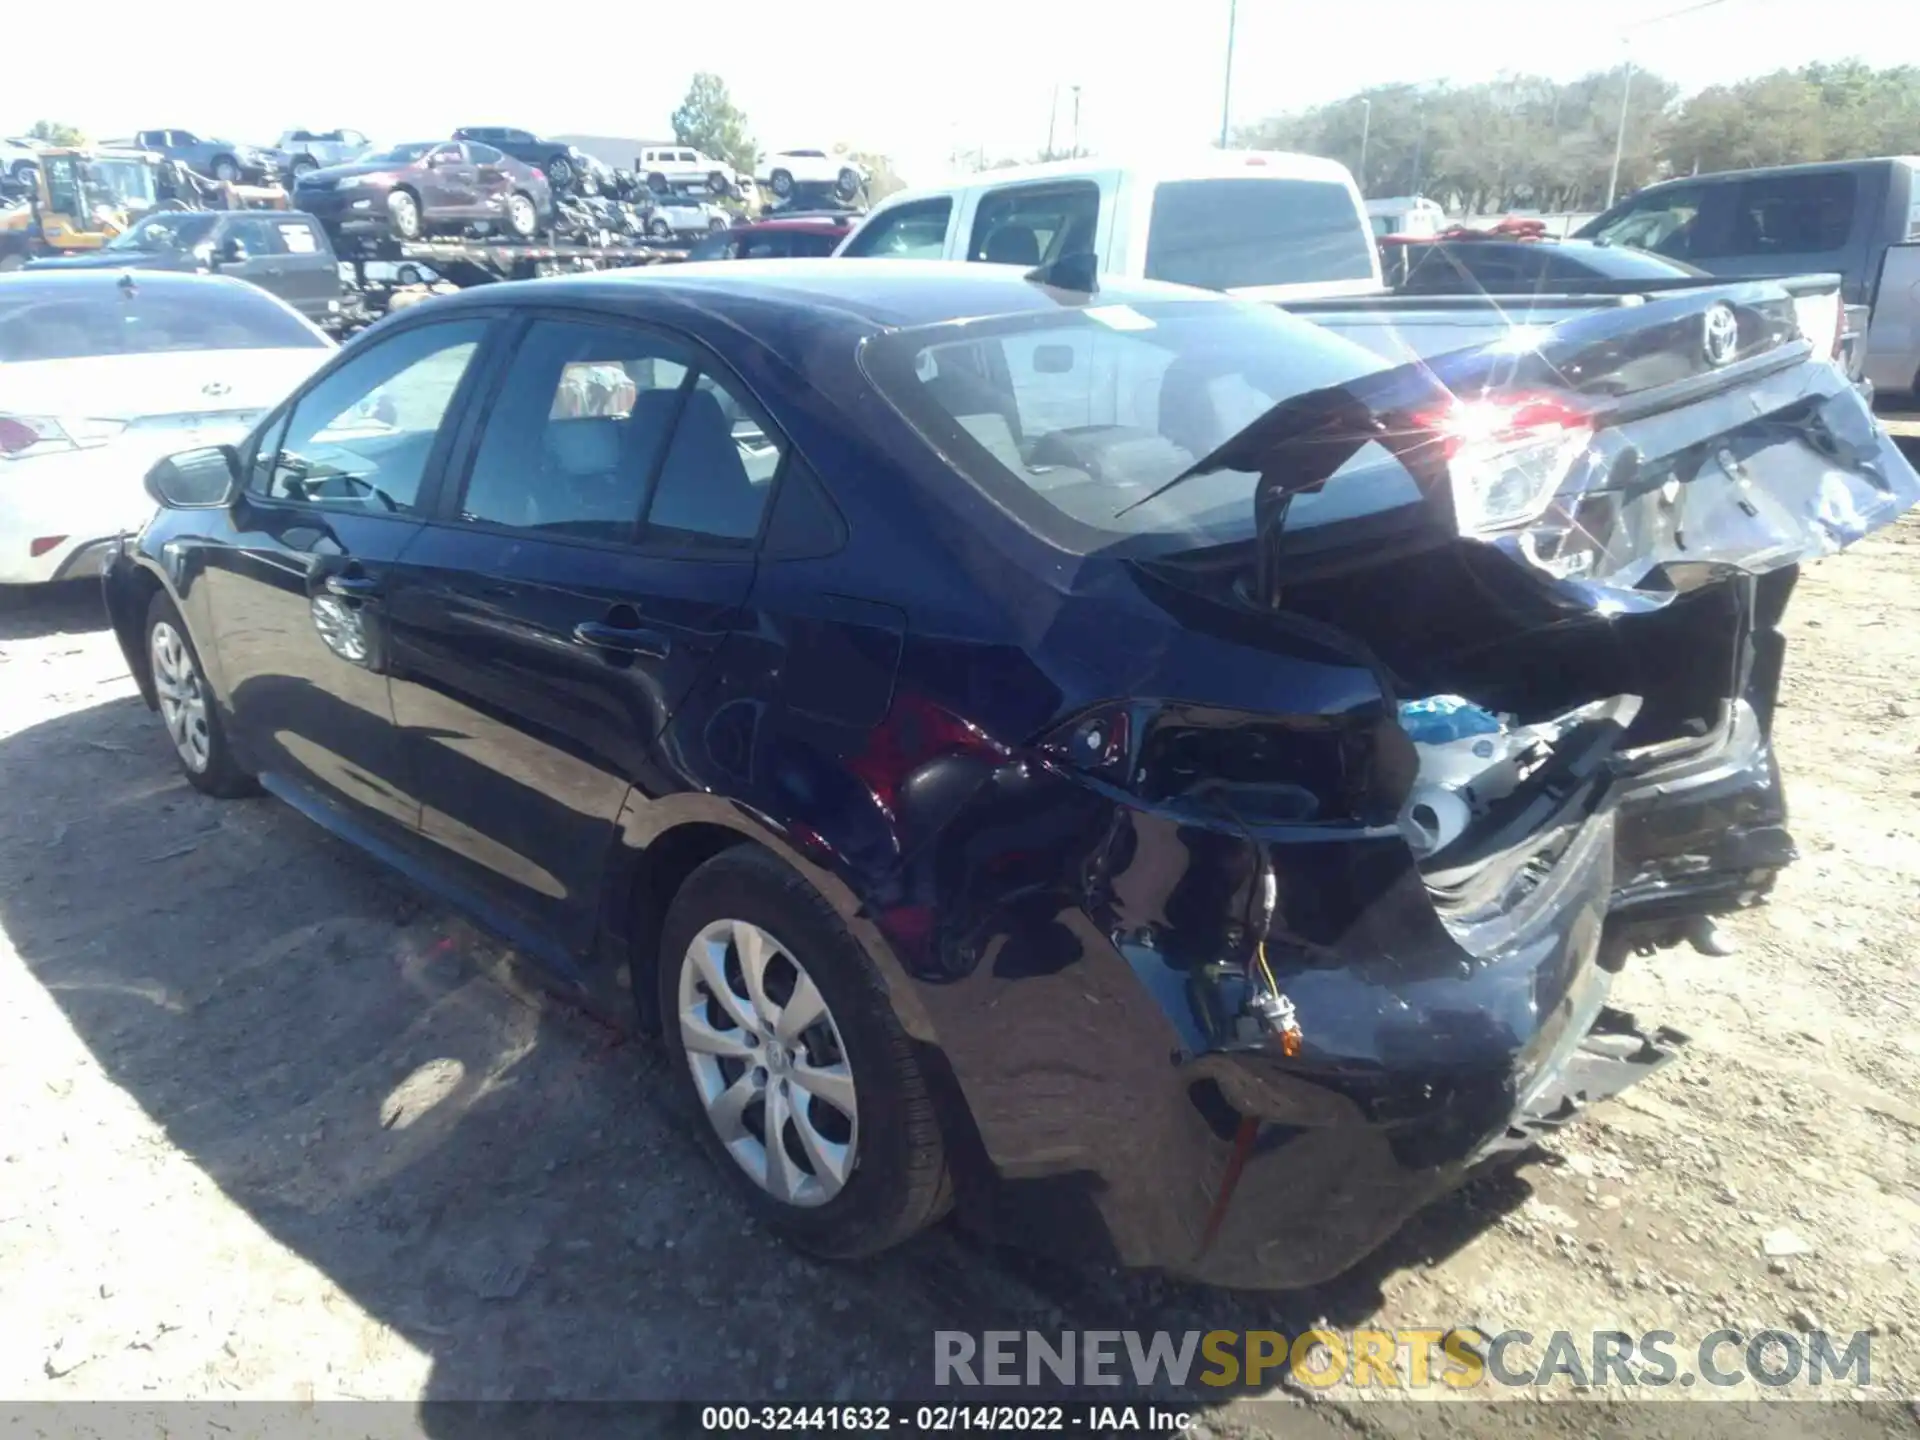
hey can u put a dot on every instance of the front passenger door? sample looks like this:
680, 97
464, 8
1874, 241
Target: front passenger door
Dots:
453, 182
333, 498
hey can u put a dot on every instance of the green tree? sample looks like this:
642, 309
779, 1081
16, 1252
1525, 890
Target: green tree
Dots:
55, 133
711, 123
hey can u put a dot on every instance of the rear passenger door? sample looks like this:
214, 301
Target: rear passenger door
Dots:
1791, 224
285, 259
594, 546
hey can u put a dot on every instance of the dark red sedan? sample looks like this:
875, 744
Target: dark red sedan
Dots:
409, 190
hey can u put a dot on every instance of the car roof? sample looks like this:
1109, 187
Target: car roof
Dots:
858, 294
1728, 177
1172, 165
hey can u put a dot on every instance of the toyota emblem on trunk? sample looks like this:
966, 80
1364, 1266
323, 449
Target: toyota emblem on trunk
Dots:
1722, 334
220, 387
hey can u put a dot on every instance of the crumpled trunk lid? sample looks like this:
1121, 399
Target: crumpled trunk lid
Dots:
1618, 459
1608, 514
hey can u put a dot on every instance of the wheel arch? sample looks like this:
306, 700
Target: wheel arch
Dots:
659, 843
129, 590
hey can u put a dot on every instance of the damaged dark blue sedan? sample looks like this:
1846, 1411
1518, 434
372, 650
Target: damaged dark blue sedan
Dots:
1122, 763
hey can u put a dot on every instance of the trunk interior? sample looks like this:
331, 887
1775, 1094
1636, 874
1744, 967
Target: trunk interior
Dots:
1458, 621
1449, 622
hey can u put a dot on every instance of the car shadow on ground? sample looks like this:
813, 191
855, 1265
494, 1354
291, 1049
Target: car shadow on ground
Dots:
33, 612
490, 1173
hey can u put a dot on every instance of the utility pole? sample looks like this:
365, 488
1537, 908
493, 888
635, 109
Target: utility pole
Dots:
1053, 114
1076, 121
1366, 127
1620, 135
1226, 87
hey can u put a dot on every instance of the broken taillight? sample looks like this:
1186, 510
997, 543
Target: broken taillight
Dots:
1506, 458
916, 732
1818, 318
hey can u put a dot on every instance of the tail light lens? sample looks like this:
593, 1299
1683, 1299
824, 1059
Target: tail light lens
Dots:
915, 732
41, 545
1818, 317
1507, 458
25, 436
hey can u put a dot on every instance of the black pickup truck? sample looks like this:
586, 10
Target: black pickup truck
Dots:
282, 251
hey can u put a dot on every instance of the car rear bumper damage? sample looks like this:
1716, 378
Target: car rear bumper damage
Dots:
1258, 1095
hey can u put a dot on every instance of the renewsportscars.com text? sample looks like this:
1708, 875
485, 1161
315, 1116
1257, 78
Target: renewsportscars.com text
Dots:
1406, 1359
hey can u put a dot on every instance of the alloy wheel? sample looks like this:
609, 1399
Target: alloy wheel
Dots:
404, 214
768, 1063
182, 696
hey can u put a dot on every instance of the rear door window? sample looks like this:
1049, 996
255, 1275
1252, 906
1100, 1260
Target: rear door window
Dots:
811, 243
576, 432
1030, 224
1225, 234
1792, 215
914, 231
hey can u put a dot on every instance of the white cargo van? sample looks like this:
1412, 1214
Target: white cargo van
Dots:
1259, 223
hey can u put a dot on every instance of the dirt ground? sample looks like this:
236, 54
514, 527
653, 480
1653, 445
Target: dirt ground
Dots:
274, 1125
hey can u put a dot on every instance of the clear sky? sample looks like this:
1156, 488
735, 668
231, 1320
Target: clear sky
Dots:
914, 80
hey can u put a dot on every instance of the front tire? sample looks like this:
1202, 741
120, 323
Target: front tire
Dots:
718, 184
187, 707
226, 170
782, 183
560, 172
403, 215
303, 165
659, 229
805, 1087
847, 184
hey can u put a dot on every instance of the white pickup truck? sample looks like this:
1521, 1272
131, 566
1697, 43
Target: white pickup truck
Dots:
1266, 225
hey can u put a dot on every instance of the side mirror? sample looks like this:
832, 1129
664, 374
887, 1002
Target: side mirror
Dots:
233, 251
196, 479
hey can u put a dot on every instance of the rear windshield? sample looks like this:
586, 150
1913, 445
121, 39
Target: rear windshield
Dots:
69, 322
1071, 419
1228, 233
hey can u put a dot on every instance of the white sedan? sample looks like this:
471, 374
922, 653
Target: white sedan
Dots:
101, 374
785, 171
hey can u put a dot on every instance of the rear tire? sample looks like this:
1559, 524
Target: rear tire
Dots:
523, 216
718, 184
893, 1177
226, 170
657, 183
659, 229
303, 164
188, 708
847, 184
782, 183
560, 172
